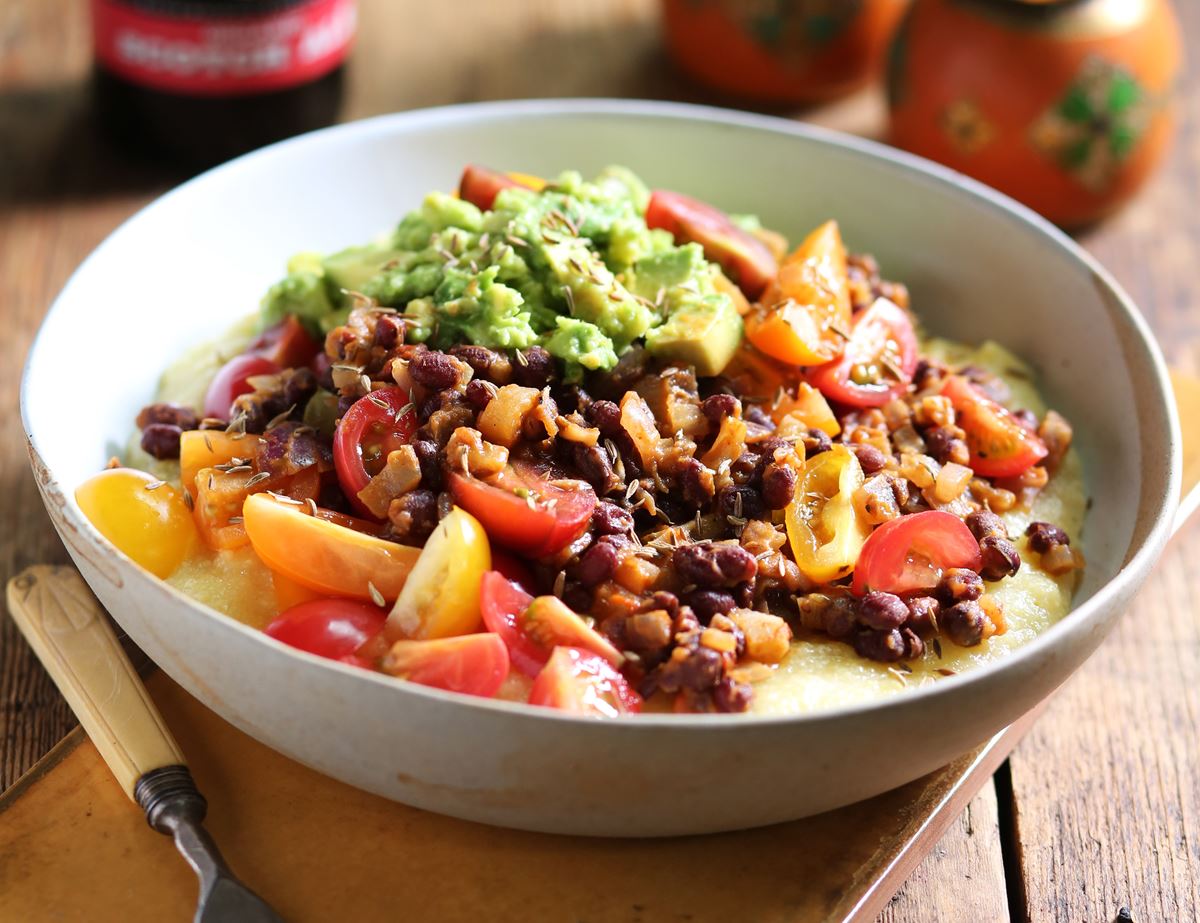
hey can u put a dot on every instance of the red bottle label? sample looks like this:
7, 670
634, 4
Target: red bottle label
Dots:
226, 55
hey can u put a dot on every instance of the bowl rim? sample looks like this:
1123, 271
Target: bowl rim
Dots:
1132, 571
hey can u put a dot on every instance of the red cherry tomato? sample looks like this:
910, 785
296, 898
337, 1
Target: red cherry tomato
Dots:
365, 436
1000, 445
230, 382
878, 361
480, 186
287, 344
744, 257
908, 555
333, 628
524, 511
514, 569
475, 664
585, 684
502, 603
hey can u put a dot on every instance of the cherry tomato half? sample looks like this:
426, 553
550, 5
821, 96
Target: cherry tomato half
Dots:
473, 664
375, 425
1000, 445
333, 628
523, 510
908, 555
585, 684
877, 363
480, 186
230, 382
287, 344
502, 603
745, 258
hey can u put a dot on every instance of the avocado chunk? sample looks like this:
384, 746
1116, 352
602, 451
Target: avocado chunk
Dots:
703, 333
351, 269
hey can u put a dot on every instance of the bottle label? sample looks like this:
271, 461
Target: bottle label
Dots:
222, 55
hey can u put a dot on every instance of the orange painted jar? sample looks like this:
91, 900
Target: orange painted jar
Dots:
780, 51
1066, 106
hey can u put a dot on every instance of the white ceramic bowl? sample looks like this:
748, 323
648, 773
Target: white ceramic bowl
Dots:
978, 266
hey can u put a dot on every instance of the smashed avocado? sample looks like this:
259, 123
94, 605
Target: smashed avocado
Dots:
572, 268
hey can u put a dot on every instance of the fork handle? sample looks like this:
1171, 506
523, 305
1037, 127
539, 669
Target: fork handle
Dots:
66, 627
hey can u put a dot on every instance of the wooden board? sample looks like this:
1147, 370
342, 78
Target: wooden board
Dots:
319, 850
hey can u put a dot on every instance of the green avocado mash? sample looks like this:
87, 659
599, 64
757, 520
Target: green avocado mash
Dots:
572, 268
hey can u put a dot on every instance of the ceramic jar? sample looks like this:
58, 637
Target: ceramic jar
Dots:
780, 51
1066, 106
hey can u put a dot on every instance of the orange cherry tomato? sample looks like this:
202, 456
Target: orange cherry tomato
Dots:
323, 556
805, 313
220, 496
144, 518
999, 444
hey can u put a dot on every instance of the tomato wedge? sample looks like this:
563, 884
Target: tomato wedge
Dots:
805, 313
472, 664
322, 555
877, 363
1000, 445
502, 602
287, 344
745, 258
523, 510
230, 382
584, 684
374, 425
908, 555
333, 628
480, 185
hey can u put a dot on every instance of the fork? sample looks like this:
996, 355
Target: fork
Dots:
65, 625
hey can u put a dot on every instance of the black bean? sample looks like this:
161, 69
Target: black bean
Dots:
957, 584
869, 457
923, 613
885, 646
606, 417
434, 370
537, 370
485, 363
816, 442
668, 602
707, 603
755, 414
882, 611
1045, 535
431, 468
573, 399
740, 502
700, 670
578, 598
963, 623
914, 647
597, 564
696, 482
840, 617
610, 519
389, 332
708, 565
413, 516
595, 467
731, 696
298, 387
1000, 558
747, 467
172, 414
945, 446
778, 485
983, 523
480, 393
161, 440
720, 406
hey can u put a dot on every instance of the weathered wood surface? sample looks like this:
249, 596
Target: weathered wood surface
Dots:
1104, 808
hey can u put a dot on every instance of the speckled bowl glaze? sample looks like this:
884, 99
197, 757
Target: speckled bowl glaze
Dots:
978, 265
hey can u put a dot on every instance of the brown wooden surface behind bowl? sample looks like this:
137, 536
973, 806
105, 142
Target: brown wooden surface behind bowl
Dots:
1099, 808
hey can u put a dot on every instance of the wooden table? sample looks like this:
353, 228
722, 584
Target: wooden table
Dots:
1099, 807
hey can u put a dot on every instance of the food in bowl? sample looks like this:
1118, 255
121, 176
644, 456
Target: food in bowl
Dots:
605, 449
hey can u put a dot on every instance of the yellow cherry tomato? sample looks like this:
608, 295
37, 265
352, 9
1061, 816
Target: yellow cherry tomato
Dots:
823, 527
441, 596
805, 313
143, 517
319, 554
208, 448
